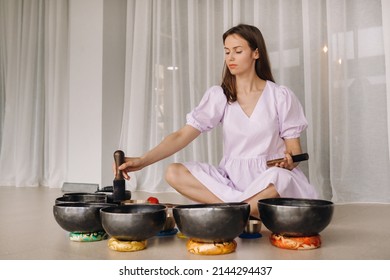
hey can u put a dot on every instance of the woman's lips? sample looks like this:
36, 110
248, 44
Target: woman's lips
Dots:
232, 66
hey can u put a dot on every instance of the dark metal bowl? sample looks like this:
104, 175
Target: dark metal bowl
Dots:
295, 217
135, 222
82, 197
79, 217
74, 200
218, 222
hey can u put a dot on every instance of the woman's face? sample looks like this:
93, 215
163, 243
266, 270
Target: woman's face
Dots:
239, 57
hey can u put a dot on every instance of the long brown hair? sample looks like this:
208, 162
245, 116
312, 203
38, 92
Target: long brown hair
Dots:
262, 66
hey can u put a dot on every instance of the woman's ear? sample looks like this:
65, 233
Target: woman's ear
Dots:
256, 54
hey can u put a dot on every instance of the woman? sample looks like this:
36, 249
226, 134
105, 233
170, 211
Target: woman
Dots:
261, 121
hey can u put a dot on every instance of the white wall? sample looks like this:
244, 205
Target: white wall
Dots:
96, 88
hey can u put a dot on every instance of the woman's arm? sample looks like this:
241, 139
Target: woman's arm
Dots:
293, 147
170, 145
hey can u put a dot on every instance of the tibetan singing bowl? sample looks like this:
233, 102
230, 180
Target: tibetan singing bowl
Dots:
134, 222
79, 217
81, 197
220, 222
295, 217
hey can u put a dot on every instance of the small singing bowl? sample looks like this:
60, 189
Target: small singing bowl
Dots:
133, 201
169, 222
83, 197
253, 226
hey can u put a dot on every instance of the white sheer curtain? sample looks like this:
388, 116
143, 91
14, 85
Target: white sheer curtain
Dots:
331, 53
357, 99
33, 92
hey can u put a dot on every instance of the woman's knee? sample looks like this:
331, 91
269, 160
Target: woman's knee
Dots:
173, 173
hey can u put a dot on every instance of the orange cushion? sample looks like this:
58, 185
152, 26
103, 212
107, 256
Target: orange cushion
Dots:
295, 243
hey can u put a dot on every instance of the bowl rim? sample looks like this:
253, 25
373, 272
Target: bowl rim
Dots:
307, 202
84, 205
221, 205
83, 194
108, 192
134, 201
108, 210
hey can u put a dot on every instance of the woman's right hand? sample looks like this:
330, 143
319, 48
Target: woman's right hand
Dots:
131, 164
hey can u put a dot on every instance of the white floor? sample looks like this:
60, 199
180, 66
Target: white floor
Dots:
29, 232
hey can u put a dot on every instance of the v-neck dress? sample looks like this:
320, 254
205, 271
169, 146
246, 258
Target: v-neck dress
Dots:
248, 142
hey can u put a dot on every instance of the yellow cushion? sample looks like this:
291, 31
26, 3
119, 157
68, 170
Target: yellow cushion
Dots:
126, 246
211, 248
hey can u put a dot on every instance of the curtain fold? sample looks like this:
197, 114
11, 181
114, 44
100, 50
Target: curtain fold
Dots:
21, 149
359, 162
386, 42
315, 63
56, 98
34, 92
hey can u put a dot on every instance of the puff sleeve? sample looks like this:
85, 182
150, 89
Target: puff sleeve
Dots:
209, 113
292, 120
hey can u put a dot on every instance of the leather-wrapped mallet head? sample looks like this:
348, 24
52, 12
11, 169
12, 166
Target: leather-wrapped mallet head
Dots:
119, 188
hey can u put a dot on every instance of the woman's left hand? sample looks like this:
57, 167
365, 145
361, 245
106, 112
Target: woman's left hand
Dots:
292, 147
287, 163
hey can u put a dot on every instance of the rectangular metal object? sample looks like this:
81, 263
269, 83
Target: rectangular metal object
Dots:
79, 187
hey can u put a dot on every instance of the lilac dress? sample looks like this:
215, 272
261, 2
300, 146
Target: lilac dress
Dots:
249, 142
